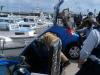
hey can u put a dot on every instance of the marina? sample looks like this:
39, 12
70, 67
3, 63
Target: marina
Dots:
49, 37
22, 32
22, 29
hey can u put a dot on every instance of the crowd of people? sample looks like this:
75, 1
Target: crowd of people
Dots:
89, 60
55, 39
89, 28
90, 52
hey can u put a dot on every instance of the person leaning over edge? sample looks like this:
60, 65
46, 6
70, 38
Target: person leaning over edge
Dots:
51, 40
89, 61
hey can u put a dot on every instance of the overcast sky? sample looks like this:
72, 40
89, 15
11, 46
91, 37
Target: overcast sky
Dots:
47, 5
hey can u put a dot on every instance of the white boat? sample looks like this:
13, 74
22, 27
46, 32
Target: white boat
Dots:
25, 32
9, 23
43, 22
28, 25
8, 43
24, 26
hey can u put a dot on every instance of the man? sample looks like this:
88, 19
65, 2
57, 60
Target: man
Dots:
89, 61
87, 29
67, 19
86, 20
89, 24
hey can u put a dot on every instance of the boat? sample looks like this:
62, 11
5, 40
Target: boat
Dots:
7, 43
9, 23
28, 25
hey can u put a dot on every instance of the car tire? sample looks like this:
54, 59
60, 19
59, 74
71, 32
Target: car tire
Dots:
74, 52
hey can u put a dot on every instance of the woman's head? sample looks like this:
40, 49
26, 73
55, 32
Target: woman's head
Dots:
90, 15
98, 18
49, 38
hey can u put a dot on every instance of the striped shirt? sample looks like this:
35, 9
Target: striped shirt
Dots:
89, 44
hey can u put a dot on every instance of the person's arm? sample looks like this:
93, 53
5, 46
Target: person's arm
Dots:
88, 46
83, 30
63, 57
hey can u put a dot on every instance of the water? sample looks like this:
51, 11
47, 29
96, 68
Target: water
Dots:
4, 70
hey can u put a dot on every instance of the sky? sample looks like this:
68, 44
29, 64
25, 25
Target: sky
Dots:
47, 5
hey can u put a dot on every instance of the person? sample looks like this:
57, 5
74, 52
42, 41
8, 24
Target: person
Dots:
78, 19
89, 61
88, 24
67, 19
54, 46
40, 52
88, 27
85, 20
51, 40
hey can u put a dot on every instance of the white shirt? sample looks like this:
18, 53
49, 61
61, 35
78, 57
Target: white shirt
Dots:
89, 44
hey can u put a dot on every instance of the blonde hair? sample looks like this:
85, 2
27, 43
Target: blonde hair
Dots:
49, 38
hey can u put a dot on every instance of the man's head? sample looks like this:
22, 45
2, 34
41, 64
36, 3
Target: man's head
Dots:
90, 15
98, 18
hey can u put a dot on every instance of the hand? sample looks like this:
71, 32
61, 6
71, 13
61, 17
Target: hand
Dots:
80, 63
